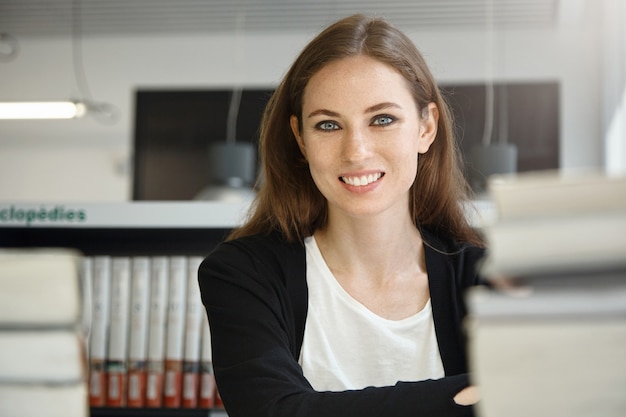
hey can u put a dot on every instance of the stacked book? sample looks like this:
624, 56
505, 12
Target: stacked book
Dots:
43, 366
149, 345
547, 335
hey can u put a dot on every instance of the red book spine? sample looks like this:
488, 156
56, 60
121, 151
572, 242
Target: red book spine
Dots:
98, 337
117, 359
156, 332
138, 343
218, 399
191, 385
97, 384
175, 332
173, 383
208, 390
154, 385
195, 316
136, 385
116, 387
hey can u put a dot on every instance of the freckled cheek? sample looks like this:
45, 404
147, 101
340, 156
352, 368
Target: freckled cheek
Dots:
324, 182
321, 170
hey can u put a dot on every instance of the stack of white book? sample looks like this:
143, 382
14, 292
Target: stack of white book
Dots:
548, 336
43, 367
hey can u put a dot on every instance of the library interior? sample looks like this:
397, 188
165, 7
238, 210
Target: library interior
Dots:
129, 133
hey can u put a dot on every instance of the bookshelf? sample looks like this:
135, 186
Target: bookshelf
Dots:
154, 412
119, 228
123, 229
136, 229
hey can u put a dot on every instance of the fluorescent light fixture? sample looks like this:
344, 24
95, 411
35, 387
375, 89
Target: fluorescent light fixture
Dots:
42, 110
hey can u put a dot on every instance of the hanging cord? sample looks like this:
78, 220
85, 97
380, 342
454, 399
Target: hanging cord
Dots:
233, 112
502, 101
235, 98
105, 113
503, 115
489, 87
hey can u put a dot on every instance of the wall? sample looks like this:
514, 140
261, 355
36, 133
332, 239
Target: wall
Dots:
614, 33
87, 160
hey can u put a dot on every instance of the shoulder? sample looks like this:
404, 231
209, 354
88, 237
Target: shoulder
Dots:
447, 252
261, 247
269, 253
446, 245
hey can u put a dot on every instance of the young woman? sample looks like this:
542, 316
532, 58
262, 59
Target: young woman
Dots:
342, 295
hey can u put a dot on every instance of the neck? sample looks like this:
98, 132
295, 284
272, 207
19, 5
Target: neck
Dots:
373, 247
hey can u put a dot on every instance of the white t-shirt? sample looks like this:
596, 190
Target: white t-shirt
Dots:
347, 346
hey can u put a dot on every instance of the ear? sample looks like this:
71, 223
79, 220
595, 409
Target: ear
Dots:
428, 127
295, 128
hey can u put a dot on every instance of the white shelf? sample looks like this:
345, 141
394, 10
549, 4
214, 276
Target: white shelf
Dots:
193, 214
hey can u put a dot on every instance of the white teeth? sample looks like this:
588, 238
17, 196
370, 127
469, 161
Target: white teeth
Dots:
362, 180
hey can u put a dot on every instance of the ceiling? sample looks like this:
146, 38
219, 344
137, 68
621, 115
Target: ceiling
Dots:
123, 17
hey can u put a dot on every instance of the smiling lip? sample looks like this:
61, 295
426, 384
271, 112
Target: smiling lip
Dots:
361, 180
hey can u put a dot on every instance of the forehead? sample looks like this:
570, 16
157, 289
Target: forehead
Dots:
356, 80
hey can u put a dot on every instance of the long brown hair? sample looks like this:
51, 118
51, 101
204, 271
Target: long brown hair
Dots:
289, 201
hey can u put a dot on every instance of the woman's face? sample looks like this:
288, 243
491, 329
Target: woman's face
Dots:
361, 134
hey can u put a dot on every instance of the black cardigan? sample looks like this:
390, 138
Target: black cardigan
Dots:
255, 294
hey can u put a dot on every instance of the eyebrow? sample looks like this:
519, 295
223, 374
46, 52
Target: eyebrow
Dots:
323, 112
374, 108
382, 106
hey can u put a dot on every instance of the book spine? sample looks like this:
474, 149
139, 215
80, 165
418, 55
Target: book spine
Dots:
139, 314
208, 389
86, 278
99, 328
193, 333
116, 369
218, 398
175, 332
156, 330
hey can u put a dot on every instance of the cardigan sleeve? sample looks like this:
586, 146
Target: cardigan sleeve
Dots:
255, 346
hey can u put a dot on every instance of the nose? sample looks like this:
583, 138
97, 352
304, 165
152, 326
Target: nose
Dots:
356, 145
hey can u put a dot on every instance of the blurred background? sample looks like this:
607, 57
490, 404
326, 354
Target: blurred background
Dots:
538, 83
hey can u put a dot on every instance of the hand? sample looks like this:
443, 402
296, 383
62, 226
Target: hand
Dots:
467, 396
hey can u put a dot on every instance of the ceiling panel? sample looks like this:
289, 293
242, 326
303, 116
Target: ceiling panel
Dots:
113, 17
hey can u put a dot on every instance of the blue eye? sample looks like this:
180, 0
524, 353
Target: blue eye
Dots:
383, 120
327, 125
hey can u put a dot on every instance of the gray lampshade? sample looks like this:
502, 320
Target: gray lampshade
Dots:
231, 172
232, 163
